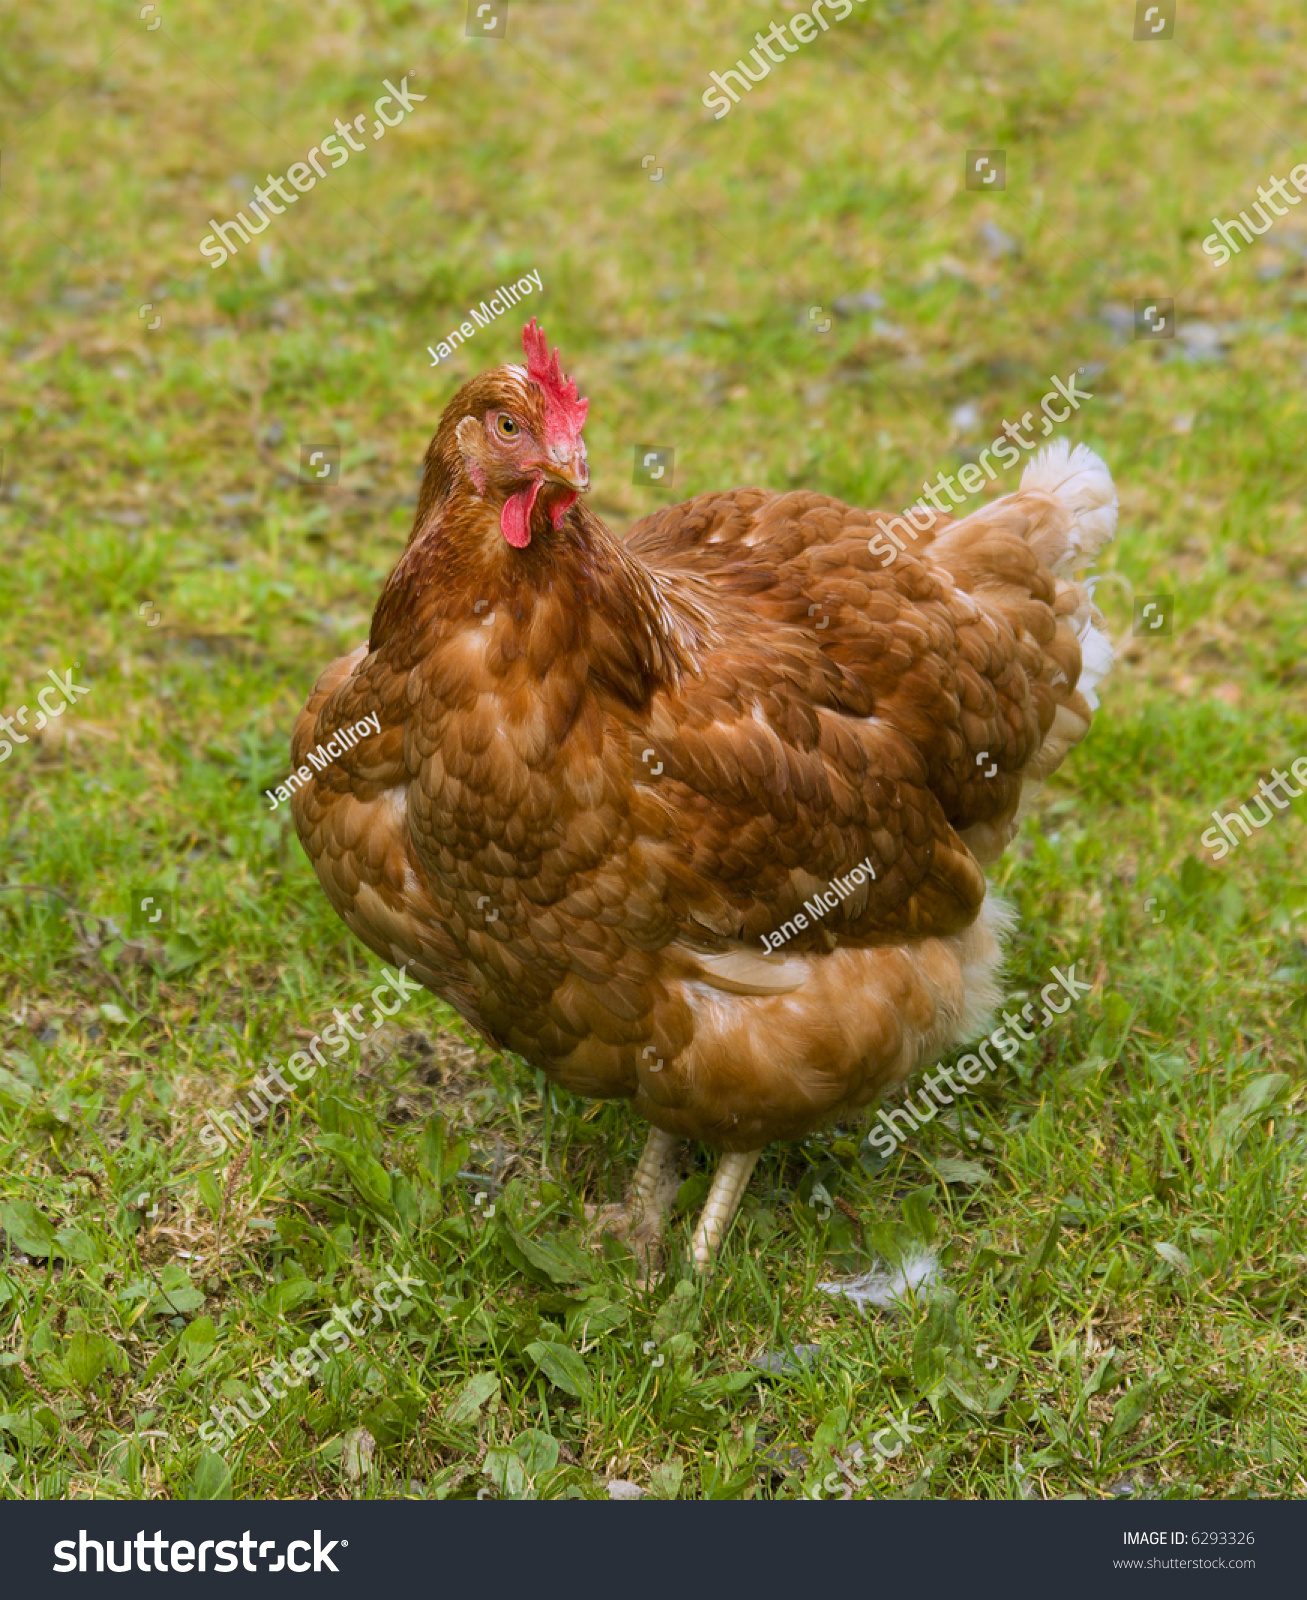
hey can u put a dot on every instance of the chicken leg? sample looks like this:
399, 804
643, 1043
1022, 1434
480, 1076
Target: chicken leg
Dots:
638, 1220
728, 1186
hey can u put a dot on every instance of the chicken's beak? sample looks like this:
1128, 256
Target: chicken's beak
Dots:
568, 467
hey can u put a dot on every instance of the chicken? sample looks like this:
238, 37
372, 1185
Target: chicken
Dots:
611, 778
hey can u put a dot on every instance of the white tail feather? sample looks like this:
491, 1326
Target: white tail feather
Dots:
1081, 481
1095, 662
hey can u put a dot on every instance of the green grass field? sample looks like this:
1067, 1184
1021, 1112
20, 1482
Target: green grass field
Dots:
1119, 1218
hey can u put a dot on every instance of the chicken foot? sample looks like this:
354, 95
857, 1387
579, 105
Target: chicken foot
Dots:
728, 1186
638, 1219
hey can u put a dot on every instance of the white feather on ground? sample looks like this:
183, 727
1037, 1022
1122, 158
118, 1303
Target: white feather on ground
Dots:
887, 1288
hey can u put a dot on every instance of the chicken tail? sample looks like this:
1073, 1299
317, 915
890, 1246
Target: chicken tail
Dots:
1016, 557
1081, 485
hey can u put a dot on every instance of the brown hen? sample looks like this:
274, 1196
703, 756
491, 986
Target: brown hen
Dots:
612, 779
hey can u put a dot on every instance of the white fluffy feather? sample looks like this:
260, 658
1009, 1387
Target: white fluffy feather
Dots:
887, 1288
1081, 481
1095, 662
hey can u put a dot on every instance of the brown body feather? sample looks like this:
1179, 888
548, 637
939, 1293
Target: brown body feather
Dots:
605, 770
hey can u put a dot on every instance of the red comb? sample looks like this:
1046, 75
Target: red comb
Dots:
562, 403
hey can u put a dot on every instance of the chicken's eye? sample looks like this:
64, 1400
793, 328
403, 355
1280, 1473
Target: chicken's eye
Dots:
505, 427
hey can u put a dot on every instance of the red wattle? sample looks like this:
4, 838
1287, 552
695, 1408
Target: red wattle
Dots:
561, 507
515, 518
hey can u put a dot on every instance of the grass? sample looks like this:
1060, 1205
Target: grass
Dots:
1119, 1217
